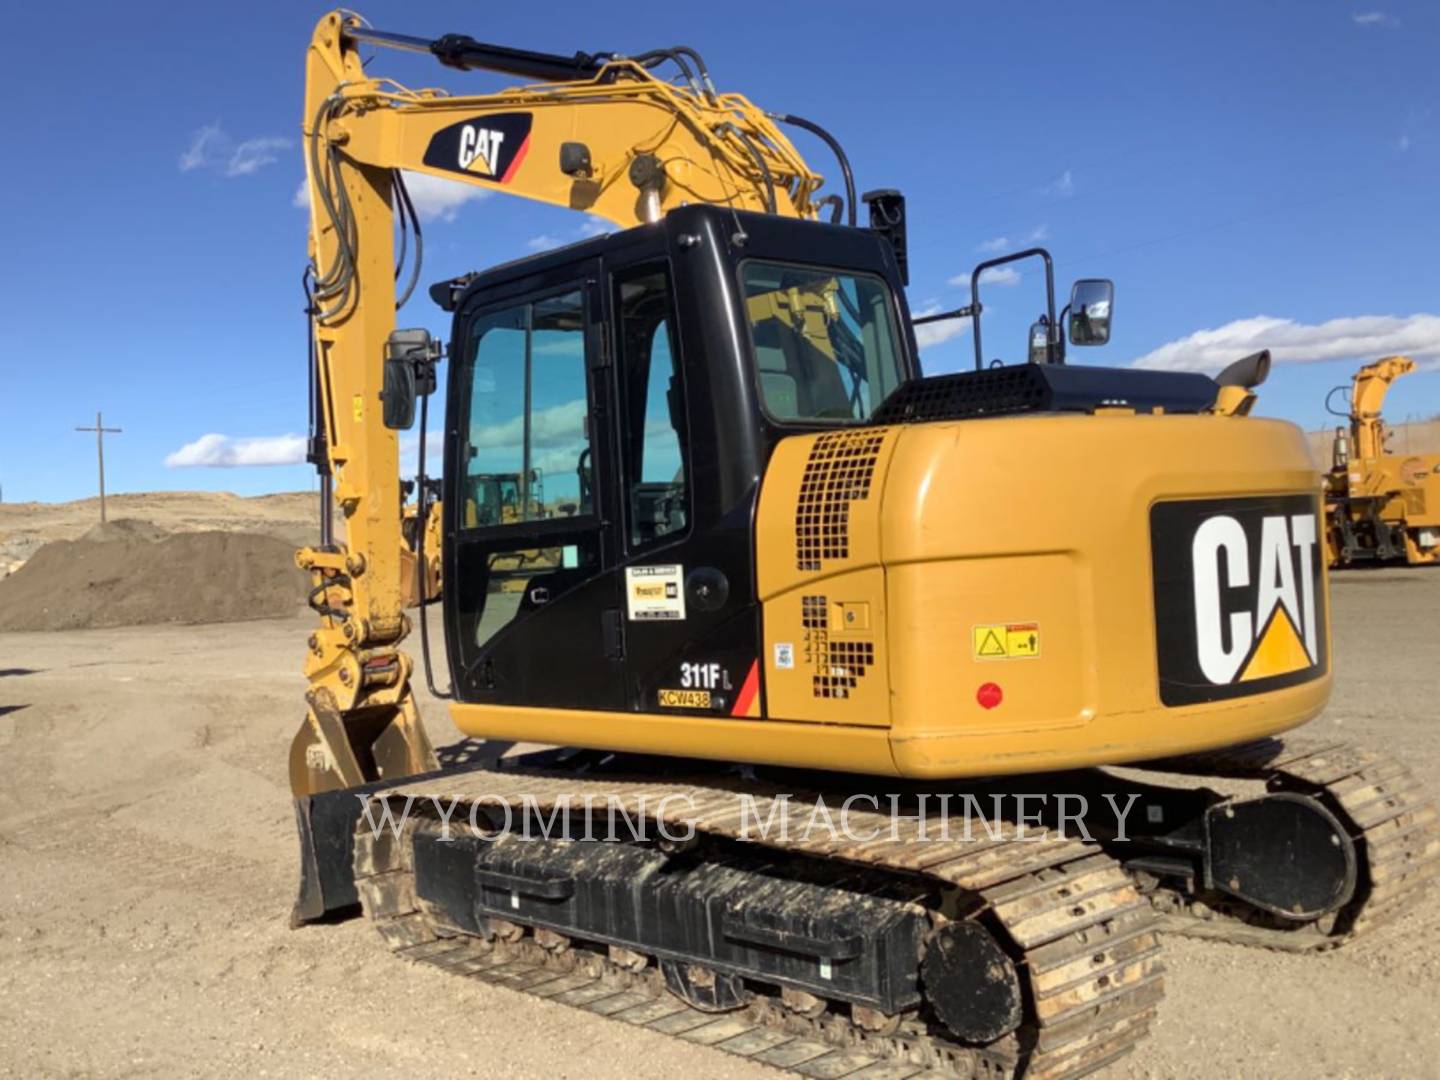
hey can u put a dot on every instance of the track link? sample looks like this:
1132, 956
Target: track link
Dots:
1391, 819
1084, 941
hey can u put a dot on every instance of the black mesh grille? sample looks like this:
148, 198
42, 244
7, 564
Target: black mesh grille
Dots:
1021, 388
838, 665
847, 663
838, 472
996, 392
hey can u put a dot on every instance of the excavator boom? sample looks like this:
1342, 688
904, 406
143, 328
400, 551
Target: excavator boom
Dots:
605, 136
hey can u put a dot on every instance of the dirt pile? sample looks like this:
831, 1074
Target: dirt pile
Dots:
27, 527
129, 573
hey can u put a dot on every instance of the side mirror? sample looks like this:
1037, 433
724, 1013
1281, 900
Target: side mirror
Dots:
410, 357
1091, 303
398, 397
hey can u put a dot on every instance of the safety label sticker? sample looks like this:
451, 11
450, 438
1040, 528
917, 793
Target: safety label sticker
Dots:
654, 593
1006, 641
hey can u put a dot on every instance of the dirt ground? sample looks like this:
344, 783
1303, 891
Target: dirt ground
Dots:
147, 861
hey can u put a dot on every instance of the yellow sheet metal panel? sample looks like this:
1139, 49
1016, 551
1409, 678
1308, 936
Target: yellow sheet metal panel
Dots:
820, 507
1111, 739
995, 530
763, 742
1008, 622
825, 651
820, 579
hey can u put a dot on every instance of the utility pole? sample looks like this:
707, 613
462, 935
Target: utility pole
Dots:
100, 432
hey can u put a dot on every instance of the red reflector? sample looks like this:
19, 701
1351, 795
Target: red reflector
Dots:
989, 695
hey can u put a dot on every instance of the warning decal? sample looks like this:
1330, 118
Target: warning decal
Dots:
1006, 641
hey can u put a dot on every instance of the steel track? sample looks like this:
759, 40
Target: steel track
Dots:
1083, 939
1391, 819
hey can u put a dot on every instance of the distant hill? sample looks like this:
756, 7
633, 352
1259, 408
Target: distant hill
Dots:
292, 516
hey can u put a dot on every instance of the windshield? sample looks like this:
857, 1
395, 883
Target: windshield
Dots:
824, 341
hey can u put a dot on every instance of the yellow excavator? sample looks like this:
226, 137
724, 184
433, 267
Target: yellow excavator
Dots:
795, 572
1381, 507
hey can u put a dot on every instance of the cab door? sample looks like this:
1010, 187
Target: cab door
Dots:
691, 621
530, 593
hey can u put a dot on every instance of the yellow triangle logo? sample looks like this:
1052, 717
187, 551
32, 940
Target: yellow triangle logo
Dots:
480, 164
1279, 650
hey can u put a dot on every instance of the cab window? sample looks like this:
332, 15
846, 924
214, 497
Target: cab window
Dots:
824, 341
654, 404
527, 445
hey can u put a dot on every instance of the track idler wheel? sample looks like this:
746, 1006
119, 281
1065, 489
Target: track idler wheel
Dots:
970, 983
1284, 853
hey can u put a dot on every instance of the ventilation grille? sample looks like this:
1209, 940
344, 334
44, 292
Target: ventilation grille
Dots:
839, 471
837, 666
814, 613
848, 661
994, 392
1022, 388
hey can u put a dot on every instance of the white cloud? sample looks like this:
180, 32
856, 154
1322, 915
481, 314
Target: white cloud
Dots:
221, 451
559, 425
434, 450
435, 199
204, 147
440, 200
994, 275
1374, 18
211, 148
928, 335
252, 155
1062, 187
1000, 275
1034, 236
591, 226
1359, 337
1415, 121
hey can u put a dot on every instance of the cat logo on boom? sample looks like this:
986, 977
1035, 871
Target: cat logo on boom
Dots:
1239, 596
490, 147
479, 146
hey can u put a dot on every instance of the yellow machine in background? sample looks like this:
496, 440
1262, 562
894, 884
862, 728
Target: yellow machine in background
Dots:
1380, 506
412, 526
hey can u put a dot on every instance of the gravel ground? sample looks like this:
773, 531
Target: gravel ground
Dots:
147, 854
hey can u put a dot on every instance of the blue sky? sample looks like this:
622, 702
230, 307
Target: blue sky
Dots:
1249, 174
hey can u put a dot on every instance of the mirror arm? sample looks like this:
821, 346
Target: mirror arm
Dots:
1061, 330
990, 264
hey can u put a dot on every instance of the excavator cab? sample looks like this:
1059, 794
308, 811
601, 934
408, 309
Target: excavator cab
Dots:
761, 522
650, 375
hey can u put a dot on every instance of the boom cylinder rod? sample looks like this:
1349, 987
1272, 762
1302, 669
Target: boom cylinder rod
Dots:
464, 52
